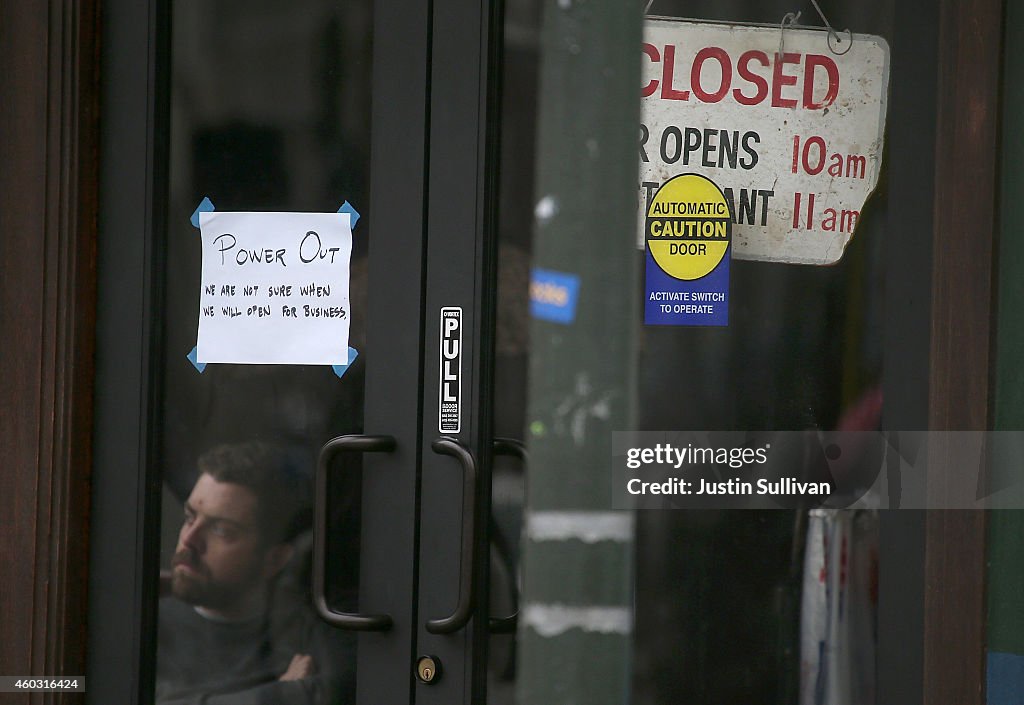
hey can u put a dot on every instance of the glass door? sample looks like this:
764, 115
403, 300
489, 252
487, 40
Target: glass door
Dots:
301, 109
277, 552
259, 562
279, 108
398, 569
715, 597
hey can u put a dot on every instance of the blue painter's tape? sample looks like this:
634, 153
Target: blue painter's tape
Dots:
354, 216
553, 295
340, 370
1004, 678
193, 357
205, 206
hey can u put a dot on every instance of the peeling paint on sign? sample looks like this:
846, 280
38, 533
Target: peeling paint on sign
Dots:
794, 139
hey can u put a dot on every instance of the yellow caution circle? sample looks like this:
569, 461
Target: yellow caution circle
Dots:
689, 227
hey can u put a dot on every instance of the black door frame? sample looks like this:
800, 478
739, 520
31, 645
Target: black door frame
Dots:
461, 273
421, 70
125, 510
125, 491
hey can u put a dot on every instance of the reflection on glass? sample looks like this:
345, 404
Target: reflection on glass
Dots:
718, 594
270, 111
236, 626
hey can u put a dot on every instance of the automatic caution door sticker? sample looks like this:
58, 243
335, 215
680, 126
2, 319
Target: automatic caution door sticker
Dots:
688, 234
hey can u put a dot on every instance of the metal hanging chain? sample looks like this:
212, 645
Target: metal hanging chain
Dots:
788, 20
833, 36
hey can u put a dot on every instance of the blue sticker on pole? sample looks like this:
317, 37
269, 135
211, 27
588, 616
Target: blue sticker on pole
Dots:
688, 243
553, 295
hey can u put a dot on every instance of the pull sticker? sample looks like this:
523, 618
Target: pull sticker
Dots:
688, 243
450, 397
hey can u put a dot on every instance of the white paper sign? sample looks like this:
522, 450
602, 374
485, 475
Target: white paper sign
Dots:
275, 288
793, 139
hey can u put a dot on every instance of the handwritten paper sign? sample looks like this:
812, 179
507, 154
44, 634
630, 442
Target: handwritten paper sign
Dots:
275, 288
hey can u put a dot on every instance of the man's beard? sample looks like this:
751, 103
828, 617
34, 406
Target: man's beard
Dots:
201, 590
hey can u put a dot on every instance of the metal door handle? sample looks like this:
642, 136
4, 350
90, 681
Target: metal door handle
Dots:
506, 625
342, 620
464, 609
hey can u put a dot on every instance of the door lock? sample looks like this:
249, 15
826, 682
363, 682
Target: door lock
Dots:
428, 669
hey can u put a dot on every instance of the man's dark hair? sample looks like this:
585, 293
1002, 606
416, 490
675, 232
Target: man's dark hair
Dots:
282, 491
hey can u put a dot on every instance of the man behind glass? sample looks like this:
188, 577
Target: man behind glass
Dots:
231, 633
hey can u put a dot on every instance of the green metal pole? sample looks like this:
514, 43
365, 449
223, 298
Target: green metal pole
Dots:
576, 611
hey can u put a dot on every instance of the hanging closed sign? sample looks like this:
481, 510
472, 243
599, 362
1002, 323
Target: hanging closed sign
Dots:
790, 129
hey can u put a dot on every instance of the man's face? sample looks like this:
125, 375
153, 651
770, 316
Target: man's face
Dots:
220, 558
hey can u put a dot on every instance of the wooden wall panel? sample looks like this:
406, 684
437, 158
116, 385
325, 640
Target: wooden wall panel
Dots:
47, 320
966, 180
